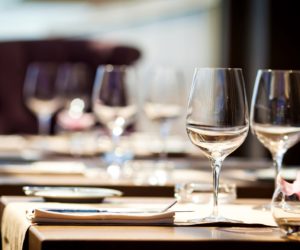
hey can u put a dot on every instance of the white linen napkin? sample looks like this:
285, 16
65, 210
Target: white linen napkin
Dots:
13, 226
68, 216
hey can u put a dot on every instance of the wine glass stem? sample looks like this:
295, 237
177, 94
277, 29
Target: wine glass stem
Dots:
216, 165
115, 161
164, 132
44, 122
116, 136
277, 163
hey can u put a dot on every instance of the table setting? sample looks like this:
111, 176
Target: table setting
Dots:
20, 214
128, 216
83, 176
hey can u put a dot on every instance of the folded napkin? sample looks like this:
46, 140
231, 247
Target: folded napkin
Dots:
94, 216
14, 224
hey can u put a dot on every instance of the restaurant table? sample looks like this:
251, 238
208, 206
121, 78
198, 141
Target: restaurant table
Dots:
185, 170
42, 237
188, 165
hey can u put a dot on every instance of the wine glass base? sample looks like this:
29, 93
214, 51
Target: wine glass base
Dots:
112, 158
213, 219
115, 163
293, 236
161, 173
114, 171
263, 207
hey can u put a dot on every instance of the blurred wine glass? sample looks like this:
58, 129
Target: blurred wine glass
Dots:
163, 104
42, 93
114, 101
163, 101
75, 82
275, 117
217, 120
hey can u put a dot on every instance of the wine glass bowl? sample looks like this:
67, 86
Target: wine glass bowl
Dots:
42, 93
286, 206
275, 117
162, 101
217, 119
76, 86
75, 81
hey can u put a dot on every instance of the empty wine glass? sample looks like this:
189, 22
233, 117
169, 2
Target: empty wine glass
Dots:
163, 100
75, 81
217, 120
163, 103
275, 117
114, 104
42, 93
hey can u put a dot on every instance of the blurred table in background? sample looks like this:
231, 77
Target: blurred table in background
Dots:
30, 161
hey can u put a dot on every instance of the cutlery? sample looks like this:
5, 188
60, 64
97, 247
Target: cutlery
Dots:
71, 210
76, 210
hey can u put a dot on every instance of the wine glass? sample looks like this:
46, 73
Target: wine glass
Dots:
75, 81
115, 106
274, 116
286, 205
163, 103
217, 120
42, 93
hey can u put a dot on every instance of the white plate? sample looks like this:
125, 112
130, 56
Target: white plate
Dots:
72, 194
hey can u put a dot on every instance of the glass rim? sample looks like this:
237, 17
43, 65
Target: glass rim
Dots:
217, 68
113, 67
279, 70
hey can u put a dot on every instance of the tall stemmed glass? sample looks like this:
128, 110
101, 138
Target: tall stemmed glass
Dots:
163, 100
42, 93
75, 81
217, 120
115, 106
275, 116
163, 103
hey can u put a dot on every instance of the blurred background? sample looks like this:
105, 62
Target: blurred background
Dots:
184, 34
